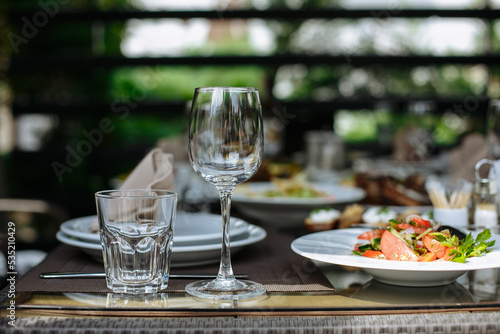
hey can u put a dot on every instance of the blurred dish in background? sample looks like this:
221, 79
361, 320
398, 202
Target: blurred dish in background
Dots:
391, 182
322, 219
270, 169
382, 189
356, 215
379, 216
251, 201
435, 165
295, 187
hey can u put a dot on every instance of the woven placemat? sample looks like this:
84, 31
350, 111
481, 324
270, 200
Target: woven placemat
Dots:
437, 323
270, 262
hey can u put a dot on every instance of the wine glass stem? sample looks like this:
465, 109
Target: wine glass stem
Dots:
225, 269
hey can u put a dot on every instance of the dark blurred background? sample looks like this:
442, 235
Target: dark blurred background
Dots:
87, 87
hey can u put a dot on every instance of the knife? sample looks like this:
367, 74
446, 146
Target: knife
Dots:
102, 275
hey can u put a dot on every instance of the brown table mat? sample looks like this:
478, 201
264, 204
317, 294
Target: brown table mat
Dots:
270, 262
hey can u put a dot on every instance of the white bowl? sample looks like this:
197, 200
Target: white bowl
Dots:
288, 211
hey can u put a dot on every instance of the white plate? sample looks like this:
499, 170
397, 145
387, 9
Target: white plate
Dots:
189, 228
336, 247
182, 256
289, 212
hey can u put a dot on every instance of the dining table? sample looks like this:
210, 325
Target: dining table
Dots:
303, 295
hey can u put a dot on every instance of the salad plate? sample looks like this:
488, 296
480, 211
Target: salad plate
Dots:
251, 200
336, 247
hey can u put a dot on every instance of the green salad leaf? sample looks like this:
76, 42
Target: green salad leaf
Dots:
468, 247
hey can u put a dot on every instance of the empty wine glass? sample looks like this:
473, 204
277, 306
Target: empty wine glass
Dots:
225, 148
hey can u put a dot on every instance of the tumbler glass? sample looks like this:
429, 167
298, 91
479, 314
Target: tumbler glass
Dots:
136, 230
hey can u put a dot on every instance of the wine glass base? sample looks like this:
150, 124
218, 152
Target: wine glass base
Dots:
232, 290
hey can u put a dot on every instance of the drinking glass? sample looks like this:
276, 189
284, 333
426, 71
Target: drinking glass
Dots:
136, 230
225, 148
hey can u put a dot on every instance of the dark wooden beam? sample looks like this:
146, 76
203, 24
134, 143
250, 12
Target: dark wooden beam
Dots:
285, 14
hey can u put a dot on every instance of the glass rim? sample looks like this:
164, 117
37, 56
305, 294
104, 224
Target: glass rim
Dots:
140, 193
227, 88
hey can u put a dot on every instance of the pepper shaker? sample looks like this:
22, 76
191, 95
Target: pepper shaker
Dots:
484, 198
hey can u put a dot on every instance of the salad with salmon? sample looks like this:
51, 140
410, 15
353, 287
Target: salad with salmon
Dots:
419, 240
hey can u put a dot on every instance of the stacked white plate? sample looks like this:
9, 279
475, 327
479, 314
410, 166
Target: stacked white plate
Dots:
197, 237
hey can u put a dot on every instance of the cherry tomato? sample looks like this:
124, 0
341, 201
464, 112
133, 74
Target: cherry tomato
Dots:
434, 246
448, 256
374, 254
421, 222
428, 257
371, 234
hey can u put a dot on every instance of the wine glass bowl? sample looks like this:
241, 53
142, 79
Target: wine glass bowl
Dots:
225, 148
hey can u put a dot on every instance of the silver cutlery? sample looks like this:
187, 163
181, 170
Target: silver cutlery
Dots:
103, 275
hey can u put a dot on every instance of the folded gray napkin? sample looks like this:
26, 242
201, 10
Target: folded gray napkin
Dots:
155, 171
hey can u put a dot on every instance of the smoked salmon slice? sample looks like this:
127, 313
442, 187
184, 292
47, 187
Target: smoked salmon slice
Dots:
396, 249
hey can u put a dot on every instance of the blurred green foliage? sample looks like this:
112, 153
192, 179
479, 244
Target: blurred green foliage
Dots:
142, 85
177, 83
286, 82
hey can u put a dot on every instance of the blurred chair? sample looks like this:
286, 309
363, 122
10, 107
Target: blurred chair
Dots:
36, 223
33, 206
